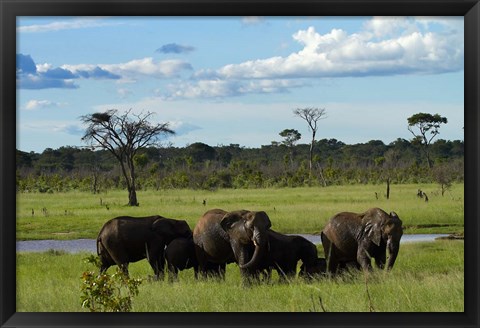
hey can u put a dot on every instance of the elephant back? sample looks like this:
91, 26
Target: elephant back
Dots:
210, 240
341, 225
208, 220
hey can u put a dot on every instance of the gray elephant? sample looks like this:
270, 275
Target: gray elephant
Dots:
180, 255
351, 237
222, 237
316, 269
285, 251
126, 239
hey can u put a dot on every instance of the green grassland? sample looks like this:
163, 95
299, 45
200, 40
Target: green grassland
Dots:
75, 215
427, 277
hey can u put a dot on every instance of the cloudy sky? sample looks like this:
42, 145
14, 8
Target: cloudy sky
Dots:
237, 79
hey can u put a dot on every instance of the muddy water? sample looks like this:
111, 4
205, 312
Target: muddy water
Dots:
88, 245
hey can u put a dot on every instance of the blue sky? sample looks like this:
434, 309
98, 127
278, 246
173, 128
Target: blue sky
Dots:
222, 80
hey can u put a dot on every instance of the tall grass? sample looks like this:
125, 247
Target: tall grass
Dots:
428, 277
292, 210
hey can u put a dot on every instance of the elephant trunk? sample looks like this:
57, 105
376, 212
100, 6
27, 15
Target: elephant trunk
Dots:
393, 248
260, 241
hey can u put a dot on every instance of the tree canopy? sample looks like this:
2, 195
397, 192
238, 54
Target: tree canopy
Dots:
428, 126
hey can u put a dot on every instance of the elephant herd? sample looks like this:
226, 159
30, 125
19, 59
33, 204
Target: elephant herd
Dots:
246, 238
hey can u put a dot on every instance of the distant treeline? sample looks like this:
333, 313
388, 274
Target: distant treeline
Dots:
201, 166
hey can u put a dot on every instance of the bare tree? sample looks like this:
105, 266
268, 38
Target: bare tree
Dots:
390, 164
123, 136
311, 115
444, 176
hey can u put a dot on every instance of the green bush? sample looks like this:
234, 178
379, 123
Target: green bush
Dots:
107, 293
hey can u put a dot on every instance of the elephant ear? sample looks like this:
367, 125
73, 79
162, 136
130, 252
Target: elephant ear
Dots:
373, 230
258, 219
229, 220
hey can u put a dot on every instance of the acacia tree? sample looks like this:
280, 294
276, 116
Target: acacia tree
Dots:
123, 135
311, 115
426, 124
291, 137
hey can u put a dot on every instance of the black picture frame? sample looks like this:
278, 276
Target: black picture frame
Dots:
10, 9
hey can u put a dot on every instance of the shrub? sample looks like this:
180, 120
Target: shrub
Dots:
107, 293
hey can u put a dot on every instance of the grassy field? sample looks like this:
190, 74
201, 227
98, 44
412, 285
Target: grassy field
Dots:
427, 277
292, 210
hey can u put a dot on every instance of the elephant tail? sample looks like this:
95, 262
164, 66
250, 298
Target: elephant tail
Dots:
327, 245
100, 247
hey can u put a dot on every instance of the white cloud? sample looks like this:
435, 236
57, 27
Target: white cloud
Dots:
390, 26
219, 88
38, 104
204, 89
64, 25
135, 68
339, 54
52, 126
69, 128
385, 46
43, 68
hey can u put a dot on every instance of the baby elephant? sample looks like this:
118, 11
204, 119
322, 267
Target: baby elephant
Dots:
180, 255
284, 253
316, 269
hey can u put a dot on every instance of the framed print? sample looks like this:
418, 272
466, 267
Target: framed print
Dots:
225, 163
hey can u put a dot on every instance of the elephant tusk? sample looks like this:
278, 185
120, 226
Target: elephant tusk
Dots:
255, 243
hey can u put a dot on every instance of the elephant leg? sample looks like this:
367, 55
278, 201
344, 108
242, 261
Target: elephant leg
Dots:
380, 260
215, 270
118, 257
195, 272
202, 266
106, 261
172, 273
330, 256
124, 268
363, 258
103, 267
222, 268
175, 274
120, 261
250, 276
289, 271
157, 261
331, 260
